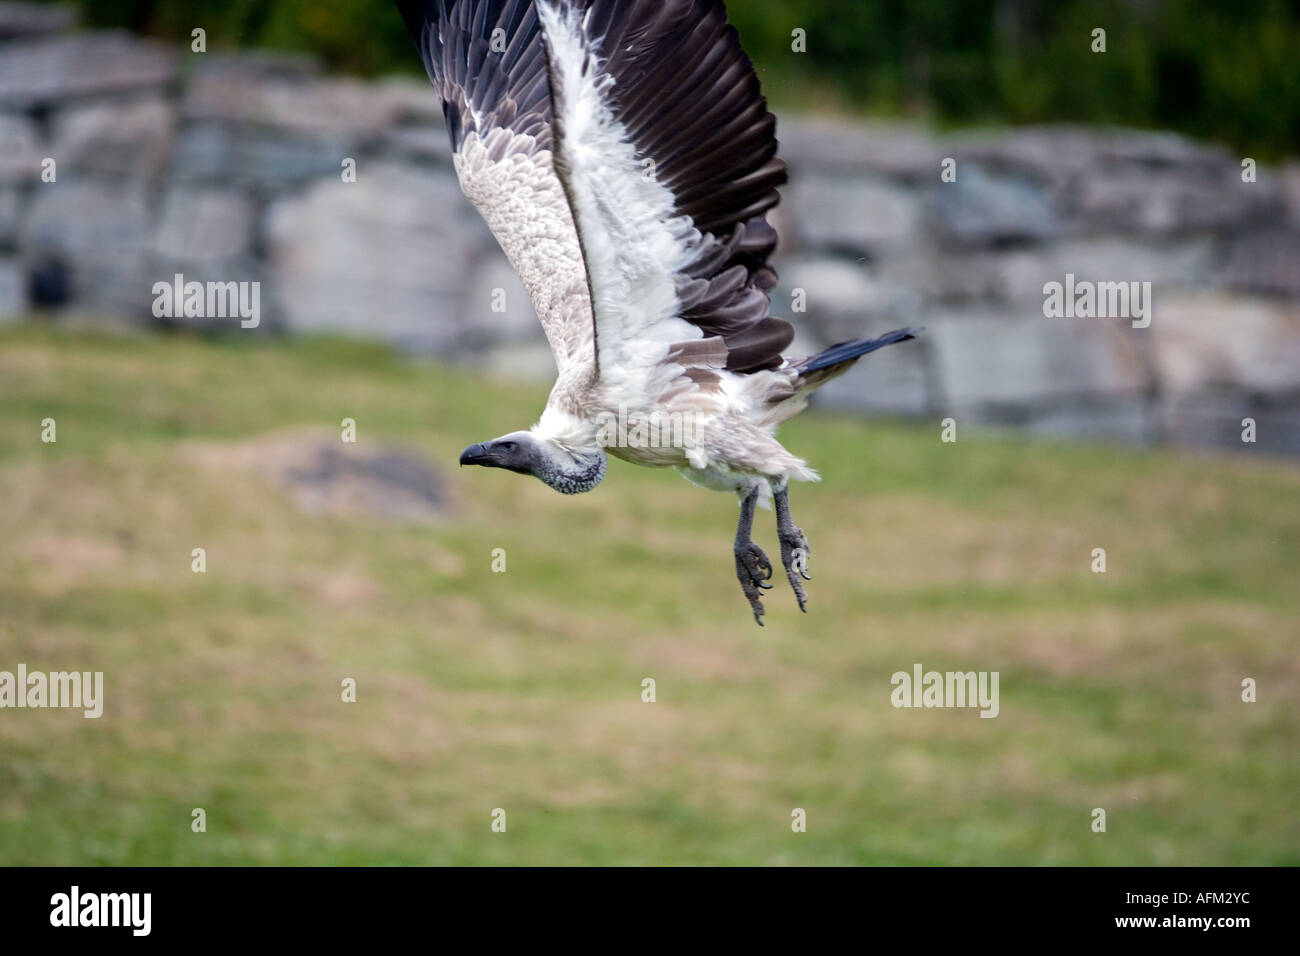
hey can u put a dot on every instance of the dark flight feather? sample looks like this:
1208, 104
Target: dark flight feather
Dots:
690, 101
505, 88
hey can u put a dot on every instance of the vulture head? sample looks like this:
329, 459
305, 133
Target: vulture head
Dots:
526, 453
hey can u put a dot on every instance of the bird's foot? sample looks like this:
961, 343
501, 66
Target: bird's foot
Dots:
754, 570
794, 555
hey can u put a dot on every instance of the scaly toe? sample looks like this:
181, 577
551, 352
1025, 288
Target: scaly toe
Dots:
753, 570
794, 555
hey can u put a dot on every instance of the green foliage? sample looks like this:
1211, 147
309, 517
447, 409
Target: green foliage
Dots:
1209, 68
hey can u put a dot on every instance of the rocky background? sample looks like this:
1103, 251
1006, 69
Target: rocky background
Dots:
230, 168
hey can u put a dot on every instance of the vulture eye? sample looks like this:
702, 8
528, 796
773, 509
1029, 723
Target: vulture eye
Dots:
508, 445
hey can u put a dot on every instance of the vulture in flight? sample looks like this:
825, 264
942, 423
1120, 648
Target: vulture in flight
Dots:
624, 157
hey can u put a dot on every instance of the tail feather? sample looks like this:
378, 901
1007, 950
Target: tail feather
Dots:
788, 397
848, 352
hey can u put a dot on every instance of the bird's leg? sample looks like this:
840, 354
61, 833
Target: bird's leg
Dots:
752, 566
794, 545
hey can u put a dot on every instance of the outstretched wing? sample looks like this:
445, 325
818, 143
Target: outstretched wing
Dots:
487, 60
623, 155
667, 152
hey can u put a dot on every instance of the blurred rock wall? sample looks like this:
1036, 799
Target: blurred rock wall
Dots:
231, 168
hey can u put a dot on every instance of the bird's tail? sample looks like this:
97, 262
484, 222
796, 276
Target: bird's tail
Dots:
817, 370
848, 352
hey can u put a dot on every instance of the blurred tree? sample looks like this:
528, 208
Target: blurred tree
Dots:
1212, 68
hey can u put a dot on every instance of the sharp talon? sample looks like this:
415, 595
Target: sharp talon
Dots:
754, 571
794, 555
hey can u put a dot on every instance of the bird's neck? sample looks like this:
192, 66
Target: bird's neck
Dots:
579, 474
578, 462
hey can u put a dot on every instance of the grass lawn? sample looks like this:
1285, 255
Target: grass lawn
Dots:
522, 690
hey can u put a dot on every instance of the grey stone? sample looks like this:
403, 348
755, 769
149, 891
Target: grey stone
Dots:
13, 295
121, 140
102, 234
842, 298
1062, 155
269, 130
1265, 263
383, 258
1156, 202
427, 144
854, 215
988, 360
494, 283
411, 101
59, 68
941, 276
1158, 149
80, 216
1017, 276
1150, 183
282, 64
261, 160
25, 20
199, 225
347, 110
893, 150
1176, 262
1053, 154
20, 149
1218, 341
11, 203
984, 209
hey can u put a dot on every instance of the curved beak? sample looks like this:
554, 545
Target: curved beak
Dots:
474, 455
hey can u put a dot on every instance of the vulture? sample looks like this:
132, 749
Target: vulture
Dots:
624, 157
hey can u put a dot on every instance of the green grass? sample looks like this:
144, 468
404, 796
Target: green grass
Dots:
522, 690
